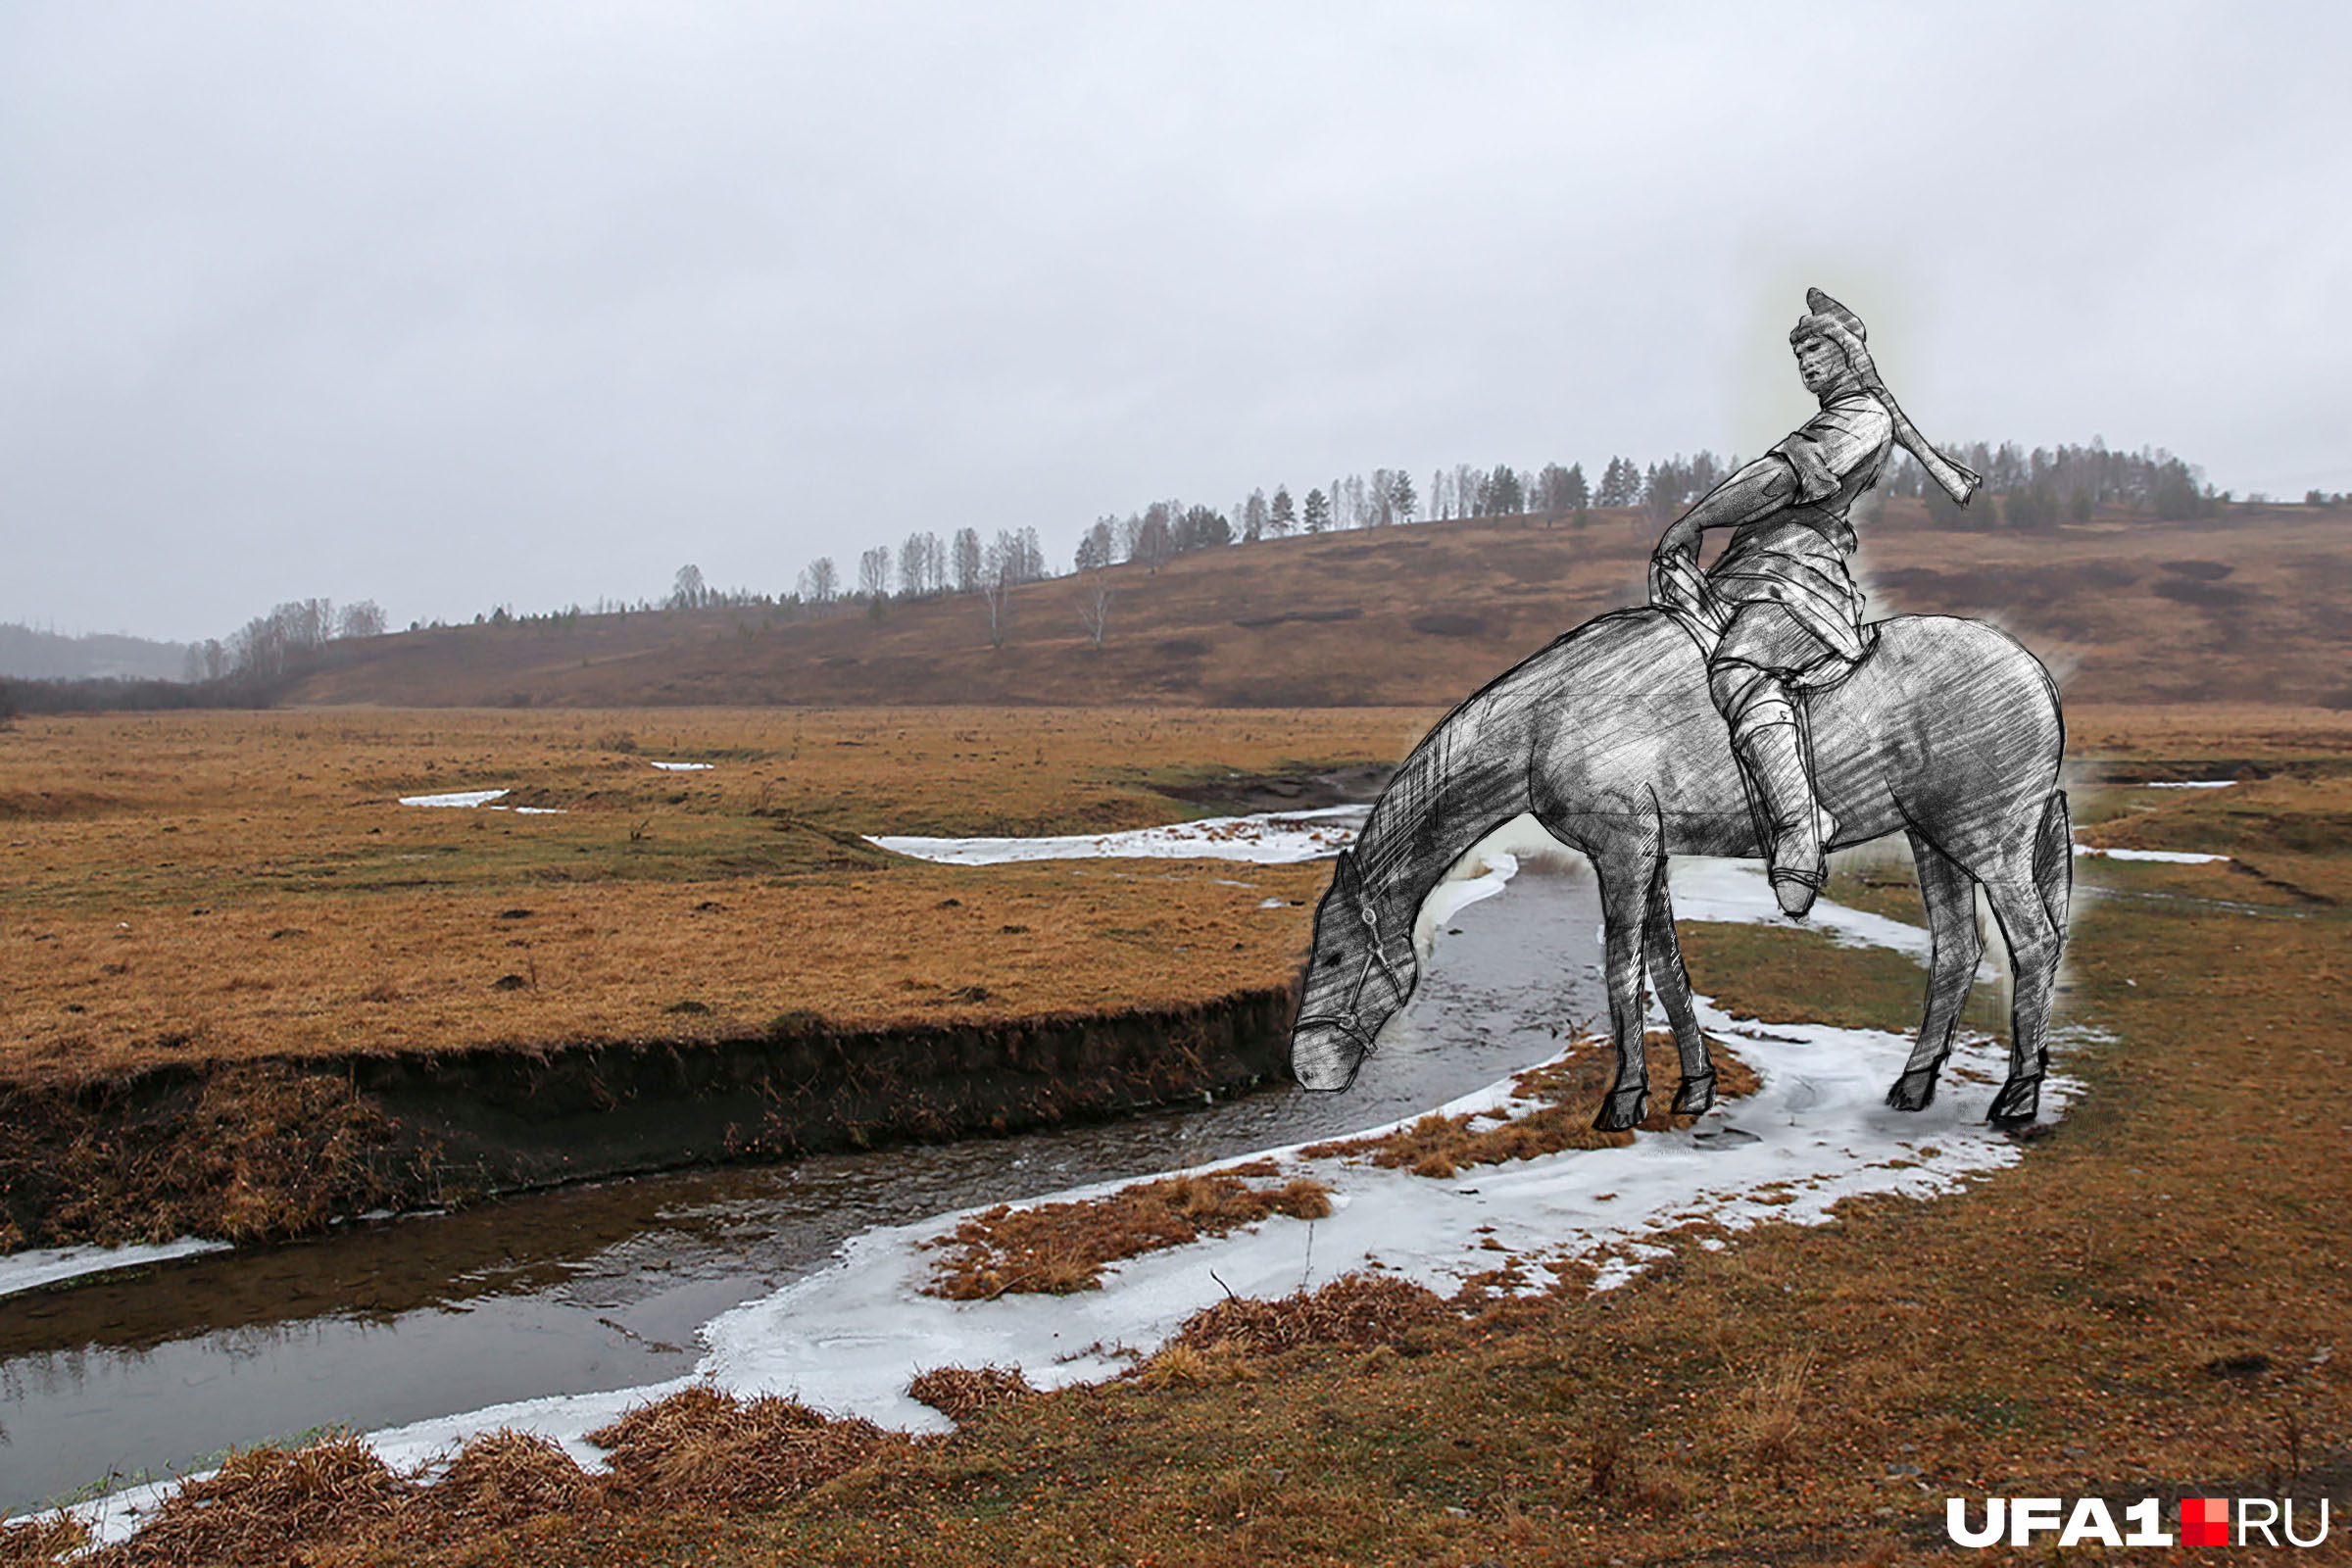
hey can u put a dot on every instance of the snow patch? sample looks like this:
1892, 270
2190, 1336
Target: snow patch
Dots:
462, 800
1271, 838
2168, 857
685, 768
30, 1270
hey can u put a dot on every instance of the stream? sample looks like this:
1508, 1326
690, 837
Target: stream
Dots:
146, 1375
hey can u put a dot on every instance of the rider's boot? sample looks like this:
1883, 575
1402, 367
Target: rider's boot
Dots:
1796, 827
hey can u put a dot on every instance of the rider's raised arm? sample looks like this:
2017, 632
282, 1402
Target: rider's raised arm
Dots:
1756, 488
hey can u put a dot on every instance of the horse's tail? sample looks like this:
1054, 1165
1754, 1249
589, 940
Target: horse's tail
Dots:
2054, 861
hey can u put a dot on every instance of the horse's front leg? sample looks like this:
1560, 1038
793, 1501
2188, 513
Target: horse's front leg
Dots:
1664, 950
1624, 882
1957, 945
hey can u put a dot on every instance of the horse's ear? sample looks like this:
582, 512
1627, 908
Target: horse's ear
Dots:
1345, 877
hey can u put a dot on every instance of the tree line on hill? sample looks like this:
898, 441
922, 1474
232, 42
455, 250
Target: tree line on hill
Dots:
247, 669
2024, 488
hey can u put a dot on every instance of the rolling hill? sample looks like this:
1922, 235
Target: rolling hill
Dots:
2253, 606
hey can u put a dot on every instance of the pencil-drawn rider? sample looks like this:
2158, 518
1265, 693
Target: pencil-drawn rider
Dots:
1780, 609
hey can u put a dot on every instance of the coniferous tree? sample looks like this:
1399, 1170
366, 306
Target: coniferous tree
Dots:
1317, 515
1403, 503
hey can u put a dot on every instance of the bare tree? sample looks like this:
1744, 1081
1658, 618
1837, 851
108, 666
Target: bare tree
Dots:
918, 566
821, 581
362, 619
873, 574
1094, 603
1154, 540
1255, 516
687, 591
996, 585
969, 559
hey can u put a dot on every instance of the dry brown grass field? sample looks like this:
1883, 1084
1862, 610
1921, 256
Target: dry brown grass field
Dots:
210, 886
2155, 1301
2255, 605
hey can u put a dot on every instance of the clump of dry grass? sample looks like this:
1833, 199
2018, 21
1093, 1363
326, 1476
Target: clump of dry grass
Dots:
44, 1539
498, 1479
1055, 1249
264, 1499
1565, 1095
962, 1393
1355, 1309
702, 1447
1772, 1411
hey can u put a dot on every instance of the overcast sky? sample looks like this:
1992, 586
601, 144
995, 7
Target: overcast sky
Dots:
454, 305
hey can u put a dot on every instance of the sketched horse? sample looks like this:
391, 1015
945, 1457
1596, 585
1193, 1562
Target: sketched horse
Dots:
1946, 730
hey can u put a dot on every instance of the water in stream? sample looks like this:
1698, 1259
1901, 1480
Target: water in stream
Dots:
604, 1286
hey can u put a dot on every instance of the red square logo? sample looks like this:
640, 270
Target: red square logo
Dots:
2204, 1521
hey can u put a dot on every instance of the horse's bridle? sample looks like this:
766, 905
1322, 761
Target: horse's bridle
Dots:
1349, 1021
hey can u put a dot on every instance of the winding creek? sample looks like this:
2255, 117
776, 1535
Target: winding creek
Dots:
152, 1374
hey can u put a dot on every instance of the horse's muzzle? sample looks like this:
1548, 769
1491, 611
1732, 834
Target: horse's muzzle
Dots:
1326, 1055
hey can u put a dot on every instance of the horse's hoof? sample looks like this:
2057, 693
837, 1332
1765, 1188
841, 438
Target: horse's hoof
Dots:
2017, 1104
1914, 1090
1696, 1096
1623, 1110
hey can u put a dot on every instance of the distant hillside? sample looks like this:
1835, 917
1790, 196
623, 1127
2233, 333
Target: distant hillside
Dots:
2254, 605
29, 654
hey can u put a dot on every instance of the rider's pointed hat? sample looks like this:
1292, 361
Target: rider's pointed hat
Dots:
1825, 317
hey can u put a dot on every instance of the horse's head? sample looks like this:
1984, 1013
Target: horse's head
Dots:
1359, 974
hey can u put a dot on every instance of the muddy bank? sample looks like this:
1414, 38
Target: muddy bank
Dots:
1294, 790
262, 1150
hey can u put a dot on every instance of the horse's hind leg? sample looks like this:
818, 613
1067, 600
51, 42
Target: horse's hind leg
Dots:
1624, 882
2035, 941
1957, 945
1672, 982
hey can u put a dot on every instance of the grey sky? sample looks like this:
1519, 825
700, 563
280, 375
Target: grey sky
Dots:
450, 304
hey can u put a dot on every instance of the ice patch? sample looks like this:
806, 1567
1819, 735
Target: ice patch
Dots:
685, 768
2168, 857
1707, 889
2188, 784
460, 798
468, 800
30, 1270
1271, 838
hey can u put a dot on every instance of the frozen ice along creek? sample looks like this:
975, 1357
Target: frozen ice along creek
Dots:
554, 1313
